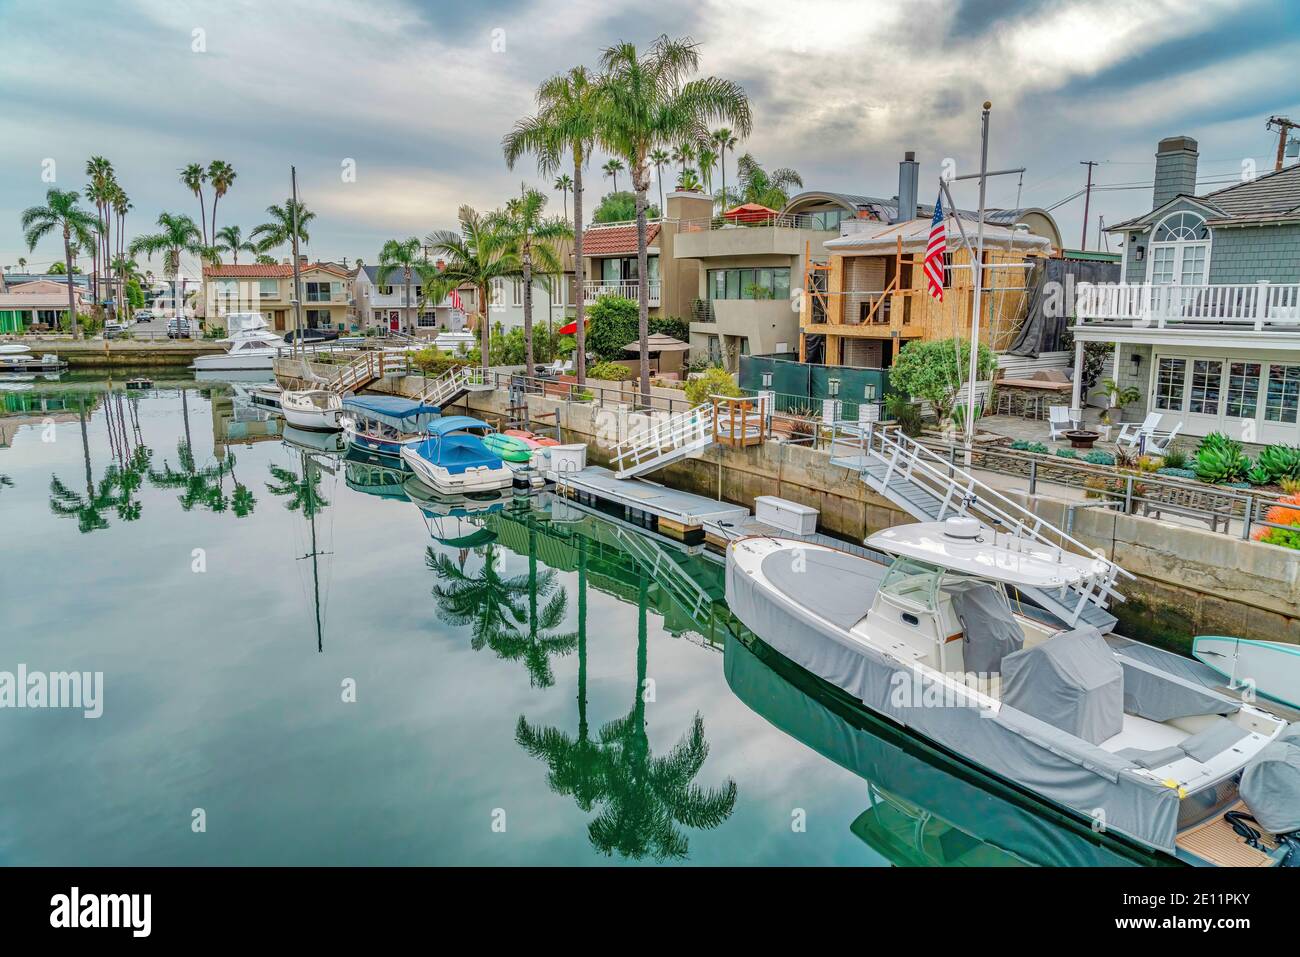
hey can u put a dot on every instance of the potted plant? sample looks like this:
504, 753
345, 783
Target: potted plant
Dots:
1117, 396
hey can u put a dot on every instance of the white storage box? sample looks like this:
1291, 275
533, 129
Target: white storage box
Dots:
566, 459
786, 515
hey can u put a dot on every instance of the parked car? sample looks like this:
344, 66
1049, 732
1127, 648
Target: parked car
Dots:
113, 330
178, 328
143, 315
311, 335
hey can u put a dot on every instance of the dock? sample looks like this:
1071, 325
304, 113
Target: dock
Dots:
671, 512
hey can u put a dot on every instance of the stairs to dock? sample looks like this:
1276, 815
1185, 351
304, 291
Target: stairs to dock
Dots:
453, 384
931, 489
665, 442
365, 369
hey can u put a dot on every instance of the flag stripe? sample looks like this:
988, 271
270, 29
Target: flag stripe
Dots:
934, 251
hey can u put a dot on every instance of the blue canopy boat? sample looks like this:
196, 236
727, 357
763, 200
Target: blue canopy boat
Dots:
453, 459
385, 423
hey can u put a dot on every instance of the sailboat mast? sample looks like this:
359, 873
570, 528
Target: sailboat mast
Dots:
977, 270
297, 285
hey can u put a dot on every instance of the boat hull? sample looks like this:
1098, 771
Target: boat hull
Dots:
228, 363
1272, 666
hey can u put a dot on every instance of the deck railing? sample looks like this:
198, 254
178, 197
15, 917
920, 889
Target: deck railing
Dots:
1261, 306
593, 289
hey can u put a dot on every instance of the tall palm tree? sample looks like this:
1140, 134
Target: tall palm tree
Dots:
767, 189
194, 176
230, 239
79, 228
722, 140
199, 486
262, 259
488, 602
565, 122
533, 239
647, 102
301, 492
478, 255
689, 181
612, 168
564, 183
659, 159
222, 176
279, 229
121, 205
99, 191
22, 264
178, 234
404, 256
705, 160
682, 154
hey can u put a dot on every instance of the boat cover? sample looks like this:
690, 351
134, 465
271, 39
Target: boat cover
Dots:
1270, 785
1008, 742
404, 415
456, 453
838, 586
1150, 692
1071, 681
456, 423
989, 631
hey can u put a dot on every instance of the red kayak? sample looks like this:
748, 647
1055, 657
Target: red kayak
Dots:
532, 439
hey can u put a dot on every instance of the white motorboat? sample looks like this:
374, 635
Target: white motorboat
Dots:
17, 357
316, 410
252, 344
454, 460
1143, 742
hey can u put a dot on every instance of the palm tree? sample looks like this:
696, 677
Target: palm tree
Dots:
645, 104
658, 159
79, 228
302, 491
564, 183
682, 154
194, 176
222, 176
263, 259
230, 239
613, 168
279, 230
121, 205
565, 122
488, 602
764, 188
22, 264
705, 160
542, 642
479, 255
405, 256
723, 139
100, 192
199, 486
178, 234
689, 181
533, 238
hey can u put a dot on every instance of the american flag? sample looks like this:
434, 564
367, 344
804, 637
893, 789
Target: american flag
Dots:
934, 251
455, 301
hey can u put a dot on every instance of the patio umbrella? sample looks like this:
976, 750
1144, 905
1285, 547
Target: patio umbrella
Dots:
659, 343
749, 213
571, 328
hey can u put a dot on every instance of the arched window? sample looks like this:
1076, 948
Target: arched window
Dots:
1180, 250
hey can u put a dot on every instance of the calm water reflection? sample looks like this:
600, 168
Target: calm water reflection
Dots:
234, 583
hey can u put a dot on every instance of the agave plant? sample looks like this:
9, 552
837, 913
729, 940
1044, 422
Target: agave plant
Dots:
1278, 462
1221, 460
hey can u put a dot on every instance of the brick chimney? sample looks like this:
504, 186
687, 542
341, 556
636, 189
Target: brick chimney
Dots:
1175, 169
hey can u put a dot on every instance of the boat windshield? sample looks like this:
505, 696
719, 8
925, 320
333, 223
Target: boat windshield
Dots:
912, 583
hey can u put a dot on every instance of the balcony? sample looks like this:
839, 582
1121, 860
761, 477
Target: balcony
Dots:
1260, 307
774, 235
593, 289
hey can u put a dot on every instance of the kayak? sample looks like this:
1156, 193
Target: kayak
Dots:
532, 439
509, 447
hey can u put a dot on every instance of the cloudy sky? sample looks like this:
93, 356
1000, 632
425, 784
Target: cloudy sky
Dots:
418, 95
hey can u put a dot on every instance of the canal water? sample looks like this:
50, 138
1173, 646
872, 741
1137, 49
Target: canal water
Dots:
307, 660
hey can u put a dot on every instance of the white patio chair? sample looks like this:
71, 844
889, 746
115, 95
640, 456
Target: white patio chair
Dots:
1060, 419
1130, 432
1161, 445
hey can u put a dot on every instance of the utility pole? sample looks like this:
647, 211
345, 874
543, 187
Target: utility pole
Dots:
1284, 126
1087, 199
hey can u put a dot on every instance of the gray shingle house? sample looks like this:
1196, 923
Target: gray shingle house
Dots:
1206, 321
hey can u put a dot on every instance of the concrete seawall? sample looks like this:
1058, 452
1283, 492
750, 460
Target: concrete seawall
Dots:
1189, 581
123, 353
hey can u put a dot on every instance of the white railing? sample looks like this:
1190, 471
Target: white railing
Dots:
1261, 306
451, 384
621, 224
779, 220
685, 430
366, 368
961, 493
593, 289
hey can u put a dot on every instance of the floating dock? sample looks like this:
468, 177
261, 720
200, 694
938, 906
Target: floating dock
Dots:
671, 512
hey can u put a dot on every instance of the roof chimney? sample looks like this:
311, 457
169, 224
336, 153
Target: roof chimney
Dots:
909, 172
1175, 169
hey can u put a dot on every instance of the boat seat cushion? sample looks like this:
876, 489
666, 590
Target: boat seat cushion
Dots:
1215, 739
835, 585
1156, 758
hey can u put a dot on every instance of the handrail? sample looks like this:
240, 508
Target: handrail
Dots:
663, 437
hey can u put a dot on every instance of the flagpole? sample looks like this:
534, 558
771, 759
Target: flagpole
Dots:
977, 270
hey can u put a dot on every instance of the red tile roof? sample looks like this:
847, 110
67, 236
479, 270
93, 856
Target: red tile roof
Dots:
615, 240
276, 271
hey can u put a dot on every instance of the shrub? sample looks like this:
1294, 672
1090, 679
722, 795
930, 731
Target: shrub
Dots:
1176, 473
1148, 463
613, 325
1095, 487
906, 413
609, 372
1098, 457
1277, 462
1126, 457
1219, 460
1067, 453
1290, 486
1259, 476
929, 369
1285, 512
714, 381
1175, 457
433, 361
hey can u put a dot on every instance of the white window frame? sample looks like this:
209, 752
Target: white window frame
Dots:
1179, 247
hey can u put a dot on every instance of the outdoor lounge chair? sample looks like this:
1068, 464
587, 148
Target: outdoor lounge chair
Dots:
1161, 445
1130, 431
1060, 419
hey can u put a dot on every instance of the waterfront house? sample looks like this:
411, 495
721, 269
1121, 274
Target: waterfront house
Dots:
268, 289
39, 302
385, 307
869, 297
1206, 319
553, 296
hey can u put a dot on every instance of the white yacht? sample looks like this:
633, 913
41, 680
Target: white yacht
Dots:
252, 344
1143, 742
316, 410
16, 357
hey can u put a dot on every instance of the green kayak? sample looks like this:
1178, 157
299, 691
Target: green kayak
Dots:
508, 447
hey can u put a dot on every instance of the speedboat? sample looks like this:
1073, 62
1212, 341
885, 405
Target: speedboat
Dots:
383, 424
453, 458
1142, 742
251, 345
16, 357
314, 409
